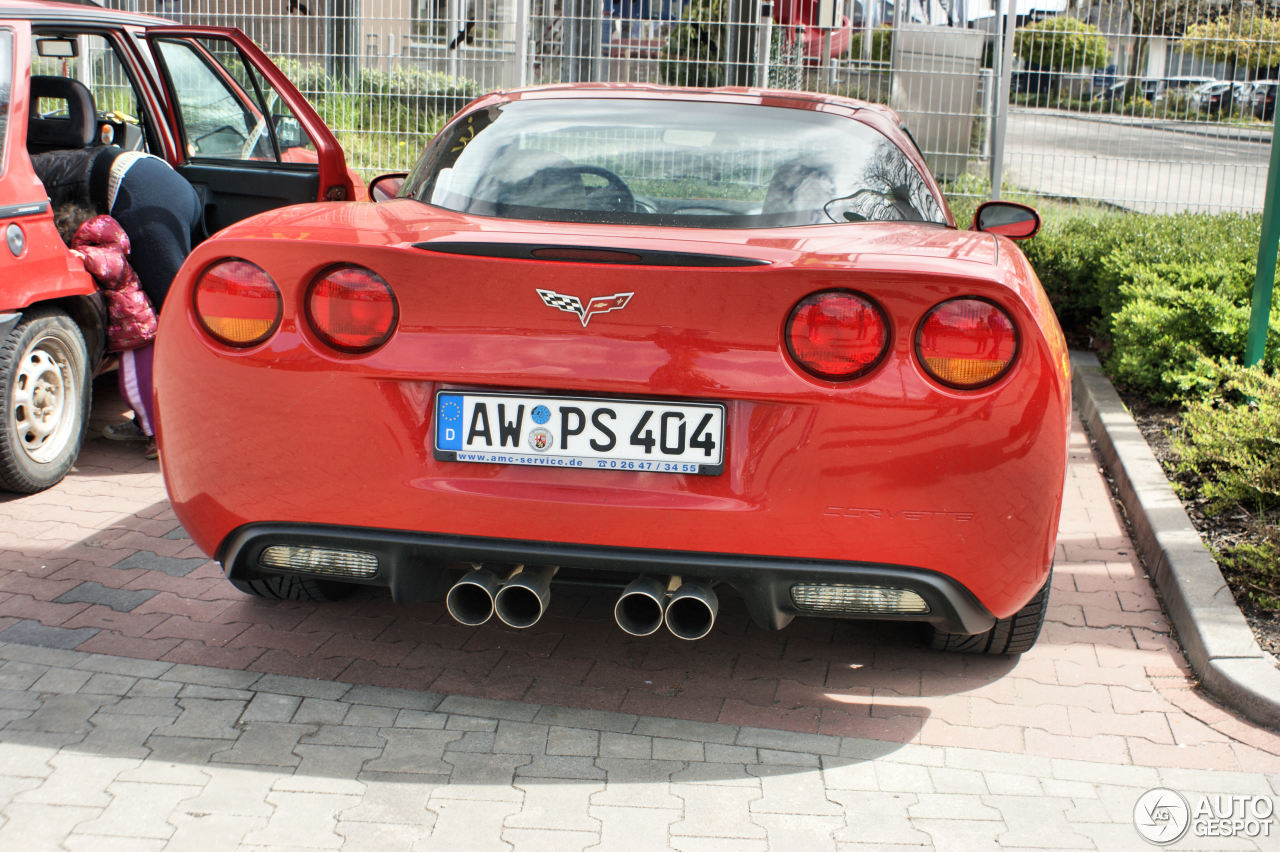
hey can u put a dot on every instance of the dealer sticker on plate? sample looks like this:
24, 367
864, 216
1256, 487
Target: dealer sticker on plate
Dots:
596, 434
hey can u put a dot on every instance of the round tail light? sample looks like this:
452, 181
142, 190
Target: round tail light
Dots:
351, 309
837, 335
237, 303
966, 343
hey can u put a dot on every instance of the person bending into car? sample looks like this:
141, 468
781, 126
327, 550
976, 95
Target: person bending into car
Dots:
159, 211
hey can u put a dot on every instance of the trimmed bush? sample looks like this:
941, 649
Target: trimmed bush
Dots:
1253, 571
1230, 440
1138, 106
1084, 260
1067, 255
881, 44
1176, 324
1229, 448
1060, 44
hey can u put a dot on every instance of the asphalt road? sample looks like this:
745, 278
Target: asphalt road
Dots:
1136, 165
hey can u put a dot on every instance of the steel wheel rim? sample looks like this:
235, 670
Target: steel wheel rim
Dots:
43, 401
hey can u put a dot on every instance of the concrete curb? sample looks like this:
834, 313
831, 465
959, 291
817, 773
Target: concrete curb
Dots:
1215, 637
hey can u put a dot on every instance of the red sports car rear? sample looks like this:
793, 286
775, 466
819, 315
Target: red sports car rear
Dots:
862, 416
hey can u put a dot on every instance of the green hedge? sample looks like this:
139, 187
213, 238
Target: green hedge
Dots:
1177, 323
1229, 449
1231, 439
1083, 261
413, 101
1167, 301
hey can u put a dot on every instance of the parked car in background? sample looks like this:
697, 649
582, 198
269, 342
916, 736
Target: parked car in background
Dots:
1114, 91
1219, 95
207, 100
1155, 88
1105, 78
1263, 99
677, 341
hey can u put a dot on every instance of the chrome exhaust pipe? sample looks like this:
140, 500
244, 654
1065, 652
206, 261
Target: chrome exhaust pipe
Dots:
525, 596
691, 610
639, 607
470, 600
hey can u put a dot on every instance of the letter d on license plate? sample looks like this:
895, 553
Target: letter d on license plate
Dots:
596, 434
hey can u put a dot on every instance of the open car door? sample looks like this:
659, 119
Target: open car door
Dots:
249, 140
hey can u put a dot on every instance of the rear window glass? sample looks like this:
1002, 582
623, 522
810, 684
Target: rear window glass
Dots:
685, 163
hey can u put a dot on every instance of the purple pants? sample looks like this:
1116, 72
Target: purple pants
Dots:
135, 385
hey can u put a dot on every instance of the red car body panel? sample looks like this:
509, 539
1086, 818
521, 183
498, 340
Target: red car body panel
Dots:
52, 317
50, 272
891, 468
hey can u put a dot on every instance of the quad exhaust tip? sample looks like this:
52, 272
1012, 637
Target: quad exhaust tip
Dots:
687, 608
470, 601
691, 610
524, 597
639, 608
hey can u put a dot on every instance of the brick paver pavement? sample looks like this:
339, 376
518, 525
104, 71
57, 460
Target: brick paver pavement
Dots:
145, 702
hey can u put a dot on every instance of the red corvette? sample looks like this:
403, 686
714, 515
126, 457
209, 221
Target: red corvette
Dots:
679, 341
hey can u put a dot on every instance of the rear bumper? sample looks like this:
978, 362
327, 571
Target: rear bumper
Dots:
420, 566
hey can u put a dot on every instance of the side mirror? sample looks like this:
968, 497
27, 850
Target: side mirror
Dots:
1006, 218
386, 187
289, 132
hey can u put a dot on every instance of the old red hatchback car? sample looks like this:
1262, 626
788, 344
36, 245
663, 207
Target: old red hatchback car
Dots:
205, 99
678, 341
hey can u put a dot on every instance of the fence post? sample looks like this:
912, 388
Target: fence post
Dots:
764, 43
523, 9
454, 24
343, 59
1264, 279
1001, 123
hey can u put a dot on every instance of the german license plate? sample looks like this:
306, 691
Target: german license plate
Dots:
595, 434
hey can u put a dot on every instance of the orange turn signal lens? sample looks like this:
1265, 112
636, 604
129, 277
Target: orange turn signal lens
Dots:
966, 343
237, 303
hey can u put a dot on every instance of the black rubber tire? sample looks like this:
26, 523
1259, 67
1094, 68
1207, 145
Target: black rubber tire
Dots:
46, 345
1009, 636
283, 587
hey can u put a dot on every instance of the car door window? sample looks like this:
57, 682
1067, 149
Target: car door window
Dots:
92, 59
227, 110
6, 88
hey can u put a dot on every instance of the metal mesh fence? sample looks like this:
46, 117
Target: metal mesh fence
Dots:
1152, 105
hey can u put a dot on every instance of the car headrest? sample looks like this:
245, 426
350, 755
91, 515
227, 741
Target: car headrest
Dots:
73, 128
800, 188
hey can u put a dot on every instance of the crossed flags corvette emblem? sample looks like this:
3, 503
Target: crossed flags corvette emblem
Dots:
595, 305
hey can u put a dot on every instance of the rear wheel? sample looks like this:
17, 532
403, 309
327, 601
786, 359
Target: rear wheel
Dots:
45, 393
290, 588
1012, 635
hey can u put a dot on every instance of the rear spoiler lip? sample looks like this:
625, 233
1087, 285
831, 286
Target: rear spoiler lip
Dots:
585, 254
